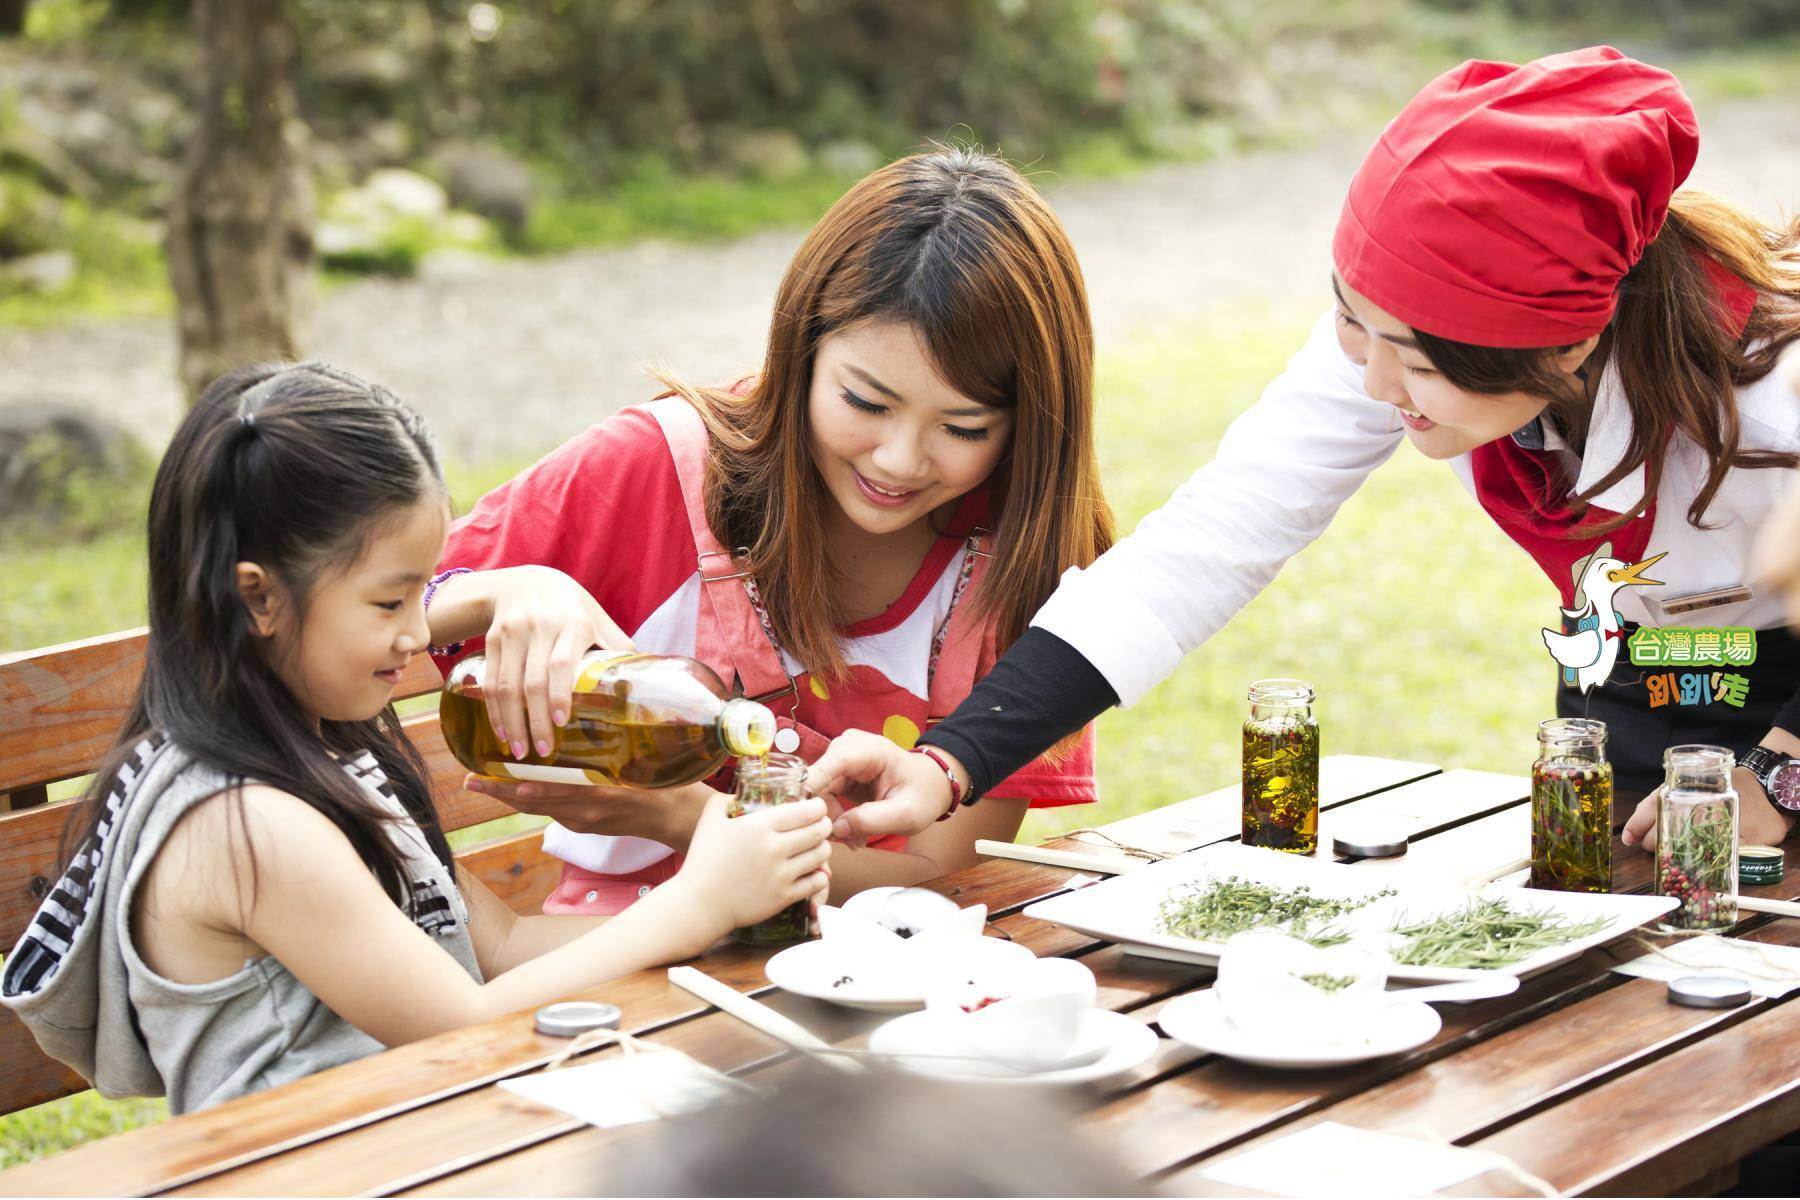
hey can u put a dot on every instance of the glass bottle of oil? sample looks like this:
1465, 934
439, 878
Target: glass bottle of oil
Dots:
1571, 807
764, 783
637, 720
1697, 838
1281, 767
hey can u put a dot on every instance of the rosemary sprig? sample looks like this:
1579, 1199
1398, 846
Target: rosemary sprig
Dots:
1212, 911
1485, 934
1327, 983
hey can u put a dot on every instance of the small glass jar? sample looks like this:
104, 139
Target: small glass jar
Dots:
1281, 768
764, 783
1571, 807
1697, 838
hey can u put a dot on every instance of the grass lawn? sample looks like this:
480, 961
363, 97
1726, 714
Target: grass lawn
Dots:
1413, 617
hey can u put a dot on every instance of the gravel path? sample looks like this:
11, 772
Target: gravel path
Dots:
522, 353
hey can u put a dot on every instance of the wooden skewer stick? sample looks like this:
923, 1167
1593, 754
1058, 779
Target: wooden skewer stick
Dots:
1485, 877
1781, 908
1102, 864
728, 999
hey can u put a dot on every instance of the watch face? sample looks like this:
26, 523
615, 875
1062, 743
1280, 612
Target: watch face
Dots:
1784, 785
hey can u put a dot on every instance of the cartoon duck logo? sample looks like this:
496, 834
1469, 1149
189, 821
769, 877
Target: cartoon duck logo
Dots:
1587, 655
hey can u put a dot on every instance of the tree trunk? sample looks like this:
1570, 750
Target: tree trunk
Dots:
12, 17
240, 224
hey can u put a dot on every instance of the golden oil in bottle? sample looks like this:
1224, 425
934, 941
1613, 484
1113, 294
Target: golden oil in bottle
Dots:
636, 720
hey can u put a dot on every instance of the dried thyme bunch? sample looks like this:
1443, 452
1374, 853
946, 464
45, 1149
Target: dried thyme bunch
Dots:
1485, 934
1212, 911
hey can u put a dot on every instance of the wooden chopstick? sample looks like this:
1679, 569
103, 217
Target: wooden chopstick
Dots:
1482, 877
1781, 908
1103, 864
728, 999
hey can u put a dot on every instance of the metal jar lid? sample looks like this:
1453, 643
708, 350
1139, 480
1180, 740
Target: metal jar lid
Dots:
1758, 865
572, 1018
1371, 839
1709, 991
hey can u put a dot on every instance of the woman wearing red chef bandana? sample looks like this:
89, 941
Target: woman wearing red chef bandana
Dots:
1608, 364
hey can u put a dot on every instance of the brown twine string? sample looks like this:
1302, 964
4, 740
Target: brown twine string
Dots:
1780, 974
630, 1045
1123, 847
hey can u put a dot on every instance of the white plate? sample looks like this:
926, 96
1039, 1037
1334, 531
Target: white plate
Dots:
1198, 1019
1131, 1044
811, 969
1124, 909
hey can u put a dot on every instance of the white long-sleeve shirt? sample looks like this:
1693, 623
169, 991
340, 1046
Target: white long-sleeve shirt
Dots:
1286, 465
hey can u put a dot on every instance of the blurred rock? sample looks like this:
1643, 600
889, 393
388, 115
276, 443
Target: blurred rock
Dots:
31, 219
45, 273
333, 239
772, 154
377, 144
377, 69
490, 182
847, 156
58, 462
407, 193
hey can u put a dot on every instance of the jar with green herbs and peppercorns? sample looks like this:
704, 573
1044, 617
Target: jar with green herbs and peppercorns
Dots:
1571, 807
1281, 767
1697, 838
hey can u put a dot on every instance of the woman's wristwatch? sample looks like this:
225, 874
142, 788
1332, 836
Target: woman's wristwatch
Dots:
1778, 773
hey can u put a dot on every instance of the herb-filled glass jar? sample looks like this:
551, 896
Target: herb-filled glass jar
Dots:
764, 783
1571, 807
1281, 767
1696, 838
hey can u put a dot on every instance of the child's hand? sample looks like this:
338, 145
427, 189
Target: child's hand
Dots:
743, 869
544, 622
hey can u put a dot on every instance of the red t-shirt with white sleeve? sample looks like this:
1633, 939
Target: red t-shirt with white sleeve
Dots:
606, 508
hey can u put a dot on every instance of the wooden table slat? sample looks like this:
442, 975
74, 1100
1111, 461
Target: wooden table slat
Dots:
1575, 1047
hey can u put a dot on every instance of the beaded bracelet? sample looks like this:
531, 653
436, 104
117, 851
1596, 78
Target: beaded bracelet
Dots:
430, 591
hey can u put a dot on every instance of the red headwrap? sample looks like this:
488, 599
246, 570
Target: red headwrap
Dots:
1504, 204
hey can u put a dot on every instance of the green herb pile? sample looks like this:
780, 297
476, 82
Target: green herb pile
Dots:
1485, 934
1214, 910
1327, 983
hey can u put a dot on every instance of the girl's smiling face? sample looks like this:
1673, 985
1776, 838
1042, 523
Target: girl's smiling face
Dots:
1441, 419
891, 439
362, 622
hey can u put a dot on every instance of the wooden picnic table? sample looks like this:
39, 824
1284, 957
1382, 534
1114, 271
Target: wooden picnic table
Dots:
1589, 1080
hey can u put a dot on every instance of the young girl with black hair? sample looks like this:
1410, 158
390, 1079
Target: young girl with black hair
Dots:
259, 888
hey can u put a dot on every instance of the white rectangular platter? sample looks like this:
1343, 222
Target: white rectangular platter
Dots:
1124, 909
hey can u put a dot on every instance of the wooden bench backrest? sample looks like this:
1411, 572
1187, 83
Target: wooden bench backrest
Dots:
61, 707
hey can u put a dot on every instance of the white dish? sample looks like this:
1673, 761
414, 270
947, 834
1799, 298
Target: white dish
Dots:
914, 1037
1124, 909
1199, 1020
815, 968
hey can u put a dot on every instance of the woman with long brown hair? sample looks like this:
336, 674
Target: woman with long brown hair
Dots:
1606, 362
852, 535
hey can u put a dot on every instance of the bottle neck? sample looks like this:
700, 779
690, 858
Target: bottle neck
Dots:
1572, 739
1280, 700
747, 729
1697, 769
